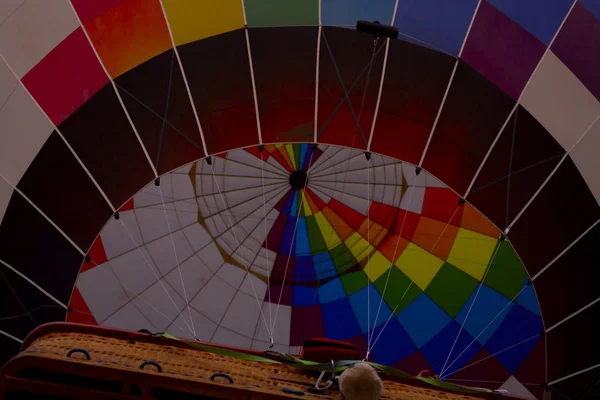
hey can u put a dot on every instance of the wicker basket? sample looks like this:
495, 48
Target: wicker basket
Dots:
77, 361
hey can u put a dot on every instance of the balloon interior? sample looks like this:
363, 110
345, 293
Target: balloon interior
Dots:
261, 199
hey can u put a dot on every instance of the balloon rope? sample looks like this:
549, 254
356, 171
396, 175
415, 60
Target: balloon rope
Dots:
369, 256
185, 296
287, 264
262, 183
487, 271
270, 332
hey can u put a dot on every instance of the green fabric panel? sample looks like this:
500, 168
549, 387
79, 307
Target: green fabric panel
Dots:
296, 148
342, 258
354, 281
396, 288
451, 289
315, 237
507, 275
281, 12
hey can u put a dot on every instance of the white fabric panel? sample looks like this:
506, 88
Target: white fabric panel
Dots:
5, 195
7, 7
24, 132
150, 195
33, 30
281, 333
187, 212
410, 173
153, 222
260, 288
101, 291
414, 204
155, 304
135, 270
195, 275
182, 186
559, 101
585, 156
116, 238
204, 327
163, 255
242, 315
516, 388
214, 298
232, 275
211, 257
197, 236
228, 338
8, 82
432, 181
129, 318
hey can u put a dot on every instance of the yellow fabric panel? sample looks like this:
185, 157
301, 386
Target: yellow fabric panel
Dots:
471, 252
329, 235
419, 265
376, 266
290, 151
359, 247
192, 20
307, 210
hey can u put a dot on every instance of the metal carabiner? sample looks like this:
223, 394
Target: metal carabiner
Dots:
329, 382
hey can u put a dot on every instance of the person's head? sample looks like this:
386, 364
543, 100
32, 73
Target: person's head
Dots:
361, 382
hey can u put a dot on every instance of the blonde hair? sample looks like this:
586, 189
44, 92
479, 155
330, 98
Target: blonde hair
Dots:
361, 382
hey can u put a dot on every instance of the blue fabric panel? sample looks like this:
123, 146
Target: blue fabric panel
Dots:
360, 305
423, 319
294, 206
339, 320
287, 244
592, 6
528, 300
437, 349
487, 306
392, 345
302, 243
511, 338
302, 161
324, 267
288, 204
440, 23
305, 296
303, 269
331, 291
541, 18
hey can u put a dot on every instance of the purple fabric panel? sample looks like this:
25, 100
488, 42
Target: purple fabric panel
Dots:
578, 46
502, 50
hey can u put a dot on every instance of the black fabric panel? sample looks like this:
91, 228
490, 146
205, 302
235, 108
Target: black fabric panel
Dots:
145, 91
8, 348
563, 210
572, 281
574, 346
24, 307
102, 137
31, 245
284, 62
581, 387
415, 82
58, 185
472, 116
351, 52
521, 160
218, 73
